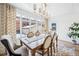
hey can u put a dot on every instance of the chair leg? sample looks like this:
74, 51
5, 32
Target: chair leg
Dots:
48, 51
42, 53
57, 44
54, 48
51, 50
14, 54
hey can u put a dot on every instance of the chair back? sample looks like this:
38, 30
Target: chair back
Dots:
10, 41
55, 38
7, 45
47, 42
37, 33
53, 35
30, 34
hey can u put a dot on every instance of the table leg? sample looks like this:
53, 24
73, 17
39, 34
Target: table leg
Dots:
33, 52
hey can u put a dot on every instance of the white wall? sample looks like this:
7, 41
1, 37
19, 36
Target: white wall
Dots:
64, 15
63, 23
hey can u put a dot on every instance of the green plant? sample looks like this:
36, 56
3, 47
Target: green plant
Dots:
74, 30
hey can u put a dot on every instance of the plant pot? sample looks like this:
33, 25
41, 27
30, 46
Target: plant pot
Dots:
75, 41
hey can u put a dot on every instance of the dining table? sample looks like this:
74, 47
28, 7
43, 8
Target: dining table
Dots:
34, 42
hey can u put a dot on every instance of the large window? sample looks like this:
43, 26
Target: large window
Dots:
25, 24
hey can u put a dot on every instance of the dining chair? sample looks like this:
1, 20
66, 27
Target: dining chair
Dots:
44, 48
54, 43
3, 51
6, 43
37, 33
30, 34
9, 44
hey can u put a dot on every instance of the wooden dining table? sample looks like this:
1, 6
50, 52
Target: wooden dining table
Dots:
34, 42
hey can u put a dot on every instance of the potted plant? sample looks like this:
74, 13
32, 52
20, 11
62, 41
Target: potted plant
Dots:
74, 32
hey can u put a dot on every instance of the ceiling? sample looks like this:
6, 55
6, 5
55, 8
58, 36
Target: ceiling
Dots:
54, 9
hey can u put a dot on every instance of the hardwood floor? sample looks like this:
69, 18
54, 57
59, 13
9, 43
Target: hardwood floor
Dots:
67, 49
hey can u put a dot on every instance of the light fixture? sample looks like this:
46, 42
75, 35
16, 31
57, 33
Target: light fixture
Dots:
41, 9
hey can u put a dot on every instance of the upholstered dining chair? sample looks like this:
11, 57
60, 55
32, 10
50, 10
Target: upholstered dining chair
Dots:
3, 51
37, 33
52, 33
44, 48
30, 34
54, 43
9, 45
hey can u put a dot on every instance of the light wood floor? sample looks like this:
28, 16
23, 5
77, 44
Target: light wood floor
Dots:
67, 49
64, 49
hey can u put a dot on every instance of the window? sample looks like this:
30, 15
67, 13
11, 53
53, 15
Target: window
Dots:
25, 23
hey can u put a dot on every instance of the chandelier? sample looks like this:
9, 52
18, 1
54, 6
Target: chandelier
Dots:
41, 9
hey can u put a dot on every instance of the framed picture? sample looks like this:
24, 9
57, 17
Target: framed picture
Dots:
53, 26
